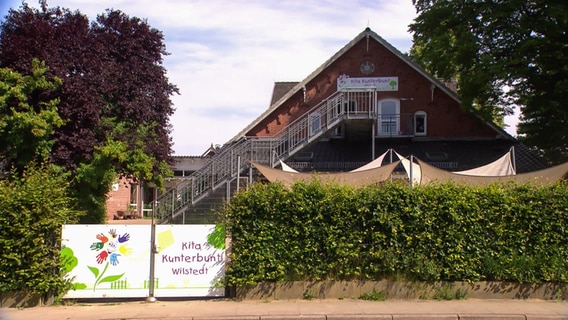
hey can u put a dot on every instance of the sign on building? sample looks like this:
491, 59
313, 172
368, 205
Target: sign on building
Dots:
345, 83
113, 261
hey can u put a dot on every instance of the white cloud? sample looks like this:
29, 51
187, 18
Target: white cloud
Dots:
226, 55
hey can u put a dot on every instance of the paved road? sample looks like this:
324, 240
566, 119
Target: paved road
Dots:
332, 309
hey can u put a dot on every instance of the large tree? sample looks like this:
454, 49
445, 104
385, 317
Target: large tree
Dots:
504, 54
114, 97
28, 117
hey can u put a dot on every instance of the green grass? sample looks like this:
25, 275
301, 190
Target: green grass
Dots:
373, 296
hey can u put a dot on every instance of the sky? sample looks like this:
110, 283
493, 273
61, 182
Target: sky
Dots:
225, 55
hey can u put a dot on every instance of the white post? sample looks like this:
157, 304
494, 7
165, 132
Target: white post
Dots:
513, 159
411, 177
373, 141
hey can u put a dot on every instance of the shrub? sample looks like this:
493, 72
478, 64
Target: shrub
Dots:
33, 207
440, 232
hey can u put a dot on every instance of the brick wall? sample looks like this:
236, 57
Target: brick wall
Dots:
445, 117
118, 198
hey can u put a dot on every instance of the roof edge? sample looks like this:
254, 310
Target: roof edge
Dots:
349, 45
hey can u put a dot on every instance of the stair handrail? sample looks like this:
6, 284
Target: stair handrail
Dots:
234, 157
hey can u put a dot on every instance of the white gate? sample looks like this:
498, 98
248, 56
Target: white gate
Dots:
110, 261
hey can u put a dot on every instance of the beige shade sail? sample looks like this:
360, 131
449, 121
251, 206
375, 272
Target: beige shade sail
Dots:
373, 164
541, 177
410, 167
500, 167
357, 179
287, 168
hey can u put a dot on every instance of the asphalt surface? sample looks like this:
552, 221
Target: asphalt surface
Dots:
332, 309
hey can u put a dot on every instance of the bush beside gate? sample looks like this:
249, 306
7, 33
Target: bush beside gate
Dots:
443, 232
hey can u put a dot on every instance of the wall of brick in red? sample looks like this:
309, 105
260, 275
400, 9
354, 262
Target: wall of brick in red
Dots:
118, 200
445, 117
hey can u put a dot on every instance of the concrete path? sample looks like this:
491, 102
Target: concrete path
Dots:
333, 309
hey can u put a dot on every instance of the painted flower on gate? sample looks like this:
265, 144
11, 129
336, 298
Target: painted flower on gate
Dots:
109, 247
112, 245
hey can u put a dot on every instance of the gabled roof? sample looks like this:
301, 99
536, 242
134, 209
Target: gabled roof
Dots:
370, 34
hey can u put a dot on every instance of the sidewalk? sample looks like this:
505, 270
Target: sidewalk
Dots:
332, 309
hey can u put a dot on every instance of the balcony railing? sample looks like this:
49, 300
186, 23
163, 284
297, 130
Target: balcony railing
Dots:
395, 125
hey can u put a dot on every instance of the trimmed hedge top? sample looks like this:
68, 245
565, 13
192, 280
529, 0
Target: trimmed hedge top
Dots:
440, 232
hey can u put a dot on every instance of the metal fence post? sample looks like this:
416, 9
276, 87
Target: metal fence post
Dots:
153, 252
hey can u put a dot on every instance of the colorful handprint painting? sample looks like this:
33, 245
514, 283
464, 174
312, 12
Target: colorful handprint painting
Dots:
109, 247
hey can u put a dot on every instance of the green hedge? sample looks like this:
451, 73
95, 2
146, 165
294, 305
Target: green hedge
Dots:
33, 206
441, 232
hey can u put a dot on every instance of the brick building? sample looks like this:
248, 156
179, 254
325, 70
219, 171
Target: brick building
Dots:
125, 194
382, 100
364, 100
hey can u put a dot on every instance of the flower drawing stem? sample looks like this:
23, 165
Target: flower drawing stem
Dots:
99, 278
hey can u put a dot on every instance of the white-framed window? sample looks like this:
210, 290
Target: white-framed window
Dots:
388, 117
315, 123
420, 123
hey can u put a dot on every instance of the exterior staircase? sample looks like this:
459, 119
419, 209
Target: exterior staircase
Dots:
195, 200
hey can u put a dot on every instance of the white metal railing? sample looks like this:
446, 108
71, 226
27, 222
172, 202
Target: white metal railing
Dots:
321, 118
395, 125
233, 158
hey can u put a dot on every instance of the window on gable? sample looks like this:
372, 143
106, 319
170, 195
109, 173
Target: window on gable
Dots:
420, 123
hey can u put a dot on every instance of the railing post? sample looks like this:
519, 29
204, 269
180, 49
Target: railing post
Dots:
174, 191
232, 155
238, 172
212, 175
192, 189
288, 138
373, 141
228, 190
250, 174
372, 100
410, 173
272, 158
249, 148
